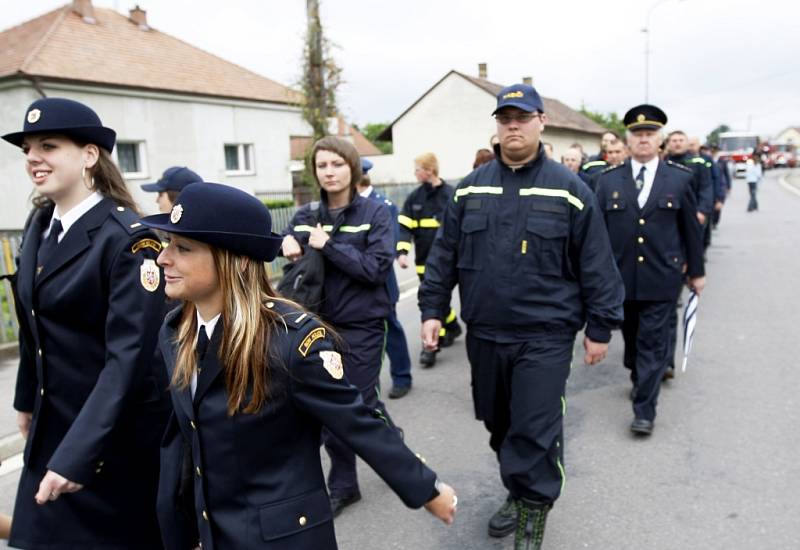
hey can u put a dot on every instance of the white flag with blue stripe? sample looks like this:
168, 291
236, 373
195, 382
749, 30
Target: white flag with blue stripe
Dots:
689, 324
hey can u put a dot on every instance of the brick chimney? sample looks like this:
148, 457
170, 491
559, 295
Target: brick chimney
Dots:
85, 9
139, 17
527, 80
483, 71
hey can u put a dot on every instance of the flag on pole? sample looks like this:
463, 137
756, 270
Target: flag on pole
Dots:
689, 324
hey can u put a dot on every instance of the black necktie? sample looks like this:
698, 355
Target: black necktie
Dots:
640, 180
202, 344
48, 246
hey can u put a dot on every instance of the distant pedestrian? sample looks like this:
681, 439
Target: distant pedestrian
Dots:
171, 183
482, 157
572, 159
548, 149
753, 175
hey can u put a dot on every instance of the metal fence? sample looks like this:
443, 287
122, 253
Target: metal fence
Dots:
10, 241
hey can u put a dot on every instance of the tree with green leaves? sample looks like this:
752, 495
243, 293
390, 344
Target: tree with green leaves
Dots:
372, 130
712, 139
612, 121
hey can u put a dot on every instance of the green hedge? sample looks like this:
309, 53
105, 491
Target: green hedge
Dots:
278, 203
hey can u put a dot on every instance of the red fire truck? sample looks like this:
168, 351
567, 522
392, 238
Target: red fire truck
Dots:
738, 147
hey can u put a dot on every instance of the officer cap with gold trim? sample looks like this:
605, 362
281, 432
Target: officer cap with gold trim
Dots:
222, 216
58, 115
645, 117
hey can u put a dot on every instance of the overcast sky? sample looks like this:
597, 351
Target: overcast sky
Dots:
712, 61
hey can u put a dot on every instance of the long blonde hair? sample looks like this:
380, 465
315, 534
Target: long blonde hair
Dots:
248, 322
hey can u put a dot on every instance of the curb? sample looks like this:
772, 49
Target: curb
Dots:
11, 445
9, 350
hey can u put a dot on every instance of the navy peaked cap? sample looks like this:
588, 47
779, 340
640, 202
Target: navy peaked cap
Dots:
58, 115
174, 178
222, 216
644, 117
520, 96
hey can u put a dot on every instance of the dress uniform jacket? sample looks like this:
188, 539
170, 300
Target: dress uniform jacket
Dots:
257, 478
652, 244
87, 374
358, 258
702, 184
529, 252
420, 219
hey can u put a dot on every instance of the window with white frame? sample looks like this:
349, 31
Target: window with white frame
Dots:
132, 159
239, 158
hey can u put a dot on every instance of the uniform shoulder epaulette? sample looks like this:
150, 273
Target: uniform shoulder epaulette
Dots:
678, 165
293, 316
128, 219
610, 168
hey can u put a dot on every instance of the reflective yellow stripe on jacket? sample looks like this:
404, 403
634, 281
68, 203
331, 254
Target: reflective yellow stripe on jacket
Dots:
403, 246
477, 190
546, 192
327, 228
407, 222
429, 223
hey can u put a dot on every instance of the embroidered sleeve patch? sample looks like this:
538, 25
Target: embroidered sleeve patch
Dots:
149, 275
332, 362
312, 337
146, 243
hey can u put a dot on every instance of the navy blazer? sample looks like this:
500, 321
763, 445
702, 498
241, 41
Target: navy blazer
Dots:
257, 478
652, 244
87, 374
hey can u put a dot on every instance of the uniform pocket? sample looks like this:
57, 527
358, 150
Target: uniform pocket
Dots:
675, 260
543, 252
615, 205
294, 515
668, 203
474, 229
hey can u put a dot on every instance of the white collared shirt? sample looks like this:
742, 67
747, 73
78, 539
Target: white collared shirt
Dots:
366, 192
72, 215
649, 175
209, 325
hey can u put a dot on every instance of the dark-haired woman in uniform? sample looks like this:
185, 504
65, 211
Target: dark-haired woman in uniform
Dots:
88, 398
254, 378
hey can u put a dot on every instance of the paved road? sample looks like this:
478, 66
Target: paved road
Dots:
720, 471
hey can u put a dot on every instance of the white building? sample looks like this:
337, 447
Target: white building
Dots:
453, 120
169, 102
789, 135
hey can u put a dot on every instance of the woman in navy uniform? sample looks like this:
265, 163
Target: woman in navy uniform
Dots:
88, 393
356, 236
254, 378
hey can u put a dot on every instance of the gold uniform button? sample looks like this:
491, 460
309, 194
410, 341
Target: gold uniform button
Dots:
641, 259
197, 469
97, 471
669, 205
33, 313
41, 391
205, 515
101, 463
641, 221
120, 208
40, 352
302, 521
640, 240
192, 424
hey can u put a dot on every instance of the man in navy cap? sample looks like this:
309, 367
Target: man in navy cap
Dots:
651, 214
170, 185
524, 241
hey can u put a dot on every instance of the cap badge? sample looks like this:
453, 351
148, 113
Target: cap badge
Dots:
34, 115
513, 94
149, 275
615, 195
332, 362
640, 118
177, 212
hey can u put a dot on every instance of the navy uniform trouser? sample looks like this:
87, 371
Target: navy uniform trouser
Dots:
518, 391
362, 353
646, 333
397, 350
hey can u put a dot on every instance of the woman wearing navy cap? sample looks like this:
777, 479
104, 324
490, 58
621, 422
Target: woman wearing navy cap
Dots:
88, 291
254, 378
172, 182
356, 236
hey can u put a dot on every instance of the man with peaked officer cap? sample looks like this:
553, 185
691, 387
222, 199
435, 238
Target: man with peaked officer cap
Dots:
172, 182
651, 215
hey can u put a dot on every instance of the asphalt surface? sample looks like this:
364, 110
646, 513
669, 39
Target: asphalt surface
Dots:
720, 470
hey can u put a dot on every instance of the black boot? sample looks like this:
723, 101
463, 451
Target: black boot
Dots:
427, 359
504, 521
531, 517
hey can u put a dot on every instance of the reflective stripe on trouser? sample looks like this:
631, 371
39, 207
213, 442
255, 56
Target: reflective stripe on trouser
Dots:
646, 333
518, 392
361, 354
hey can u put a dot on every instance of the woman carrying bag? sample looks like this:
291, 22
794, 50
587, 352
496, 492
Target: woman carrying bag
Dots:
254, 378
356, 238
